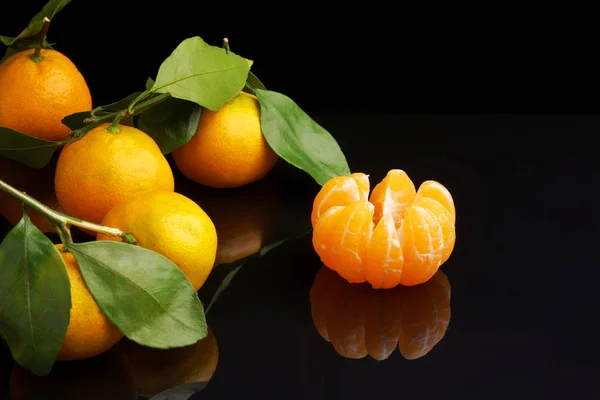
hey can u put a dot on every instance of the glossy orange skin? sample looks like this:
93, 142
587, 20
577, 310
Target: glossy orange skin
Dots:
96, 172
35, 97
359, 320
228, 149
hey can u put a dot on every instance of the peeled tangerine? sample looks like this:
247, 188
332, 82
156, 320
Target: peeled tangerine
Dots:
397, 236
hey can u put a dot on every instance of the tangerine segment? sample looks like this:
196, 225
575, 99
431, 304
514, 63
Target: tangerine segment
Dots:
393, 195
341, 237
400, 236
340, 191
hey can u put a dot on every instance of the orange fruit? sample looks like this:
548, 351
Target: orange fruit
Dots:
359, 320
99, 170
36, 96
89, 332
228, 149
157, 370
37, 183
397, 235
106, 376
170, 224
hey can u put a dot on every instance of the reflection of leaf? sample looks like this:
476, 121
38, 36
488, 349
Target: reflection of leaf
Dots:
143, 293
26, 149
171, 123
233, 269
183, 392
298, 139
36, 299
201, 73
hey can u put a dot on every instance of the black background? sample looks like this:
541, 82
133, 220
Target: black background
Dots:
492, 103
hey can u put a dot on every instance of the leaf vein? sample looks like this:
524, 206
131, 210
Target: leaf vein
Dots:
104, 265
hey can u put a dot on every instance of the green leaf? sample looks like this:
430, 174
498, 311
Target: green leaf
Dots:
298, 139
254, 81
143, 293
183, 392
51, 8
36, 297
149, 83
26, 149
201, 73
75, 121
171, 123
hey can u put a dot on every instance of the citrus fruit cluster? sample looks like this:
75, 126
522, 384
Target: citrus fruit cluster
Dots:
397, 235
115, 175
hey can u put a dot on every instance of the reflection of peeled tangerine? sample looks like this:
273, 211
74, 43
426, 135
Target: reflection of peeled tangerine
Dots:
397, 236
242, 216
106, 376
358, 320
157, 370
38, 183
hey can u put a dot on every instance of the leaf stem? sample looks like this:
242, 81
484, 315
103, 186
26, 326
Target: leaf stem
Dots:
37, 54
226, 45
62, 221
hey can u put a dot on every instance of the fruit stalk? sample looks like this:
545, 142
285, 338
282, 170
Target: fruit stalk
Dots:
37, 55
62, 221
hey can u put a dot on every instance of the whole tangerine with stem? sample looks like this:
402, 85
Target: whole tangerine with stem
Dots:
38, 91
397, 235
228, 149
96, 172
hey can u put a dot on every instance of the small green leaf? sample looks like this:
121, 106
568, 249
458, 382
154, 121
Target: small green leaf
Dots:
298, 139
254, 81
36, 297
183, 392
143, 293
171, 123
149, 83
201, 73
75, 121
26, 149
51, 8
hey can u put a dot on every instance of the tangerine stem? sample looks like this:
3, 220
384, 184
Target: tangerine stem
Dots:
37, 54
226, 45
62, 221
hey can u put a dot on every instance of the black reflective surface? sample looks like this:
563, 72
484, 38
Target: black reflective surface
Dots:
512, 314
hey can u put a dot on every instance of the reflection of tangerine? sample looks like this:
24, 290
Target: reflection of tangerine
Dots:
106, 376
157, 370
242, 216
359, 320
38, 183
398, 235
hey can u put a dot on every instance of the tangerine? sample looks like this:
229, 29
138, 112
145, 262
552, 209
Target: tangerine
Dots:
228, 149
36, 96
99, 170
398, 235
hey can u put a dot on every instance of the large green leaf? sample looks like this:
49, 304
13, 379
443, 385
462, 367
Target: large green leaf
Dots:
26, 149
143, 293
36, 297
171, 123
204, 74
298, 139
